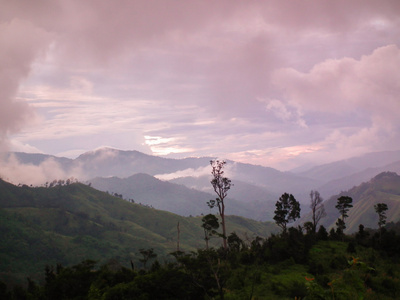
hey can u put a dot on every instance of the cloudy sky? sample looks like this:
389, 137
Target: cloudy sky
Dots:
276, 83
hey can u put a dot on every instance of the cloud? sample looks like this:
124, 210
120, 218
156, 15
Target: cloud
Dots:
372, 83
16, 172
349, 87
201, 171
17, 146
164, 146
193, 74
20, 44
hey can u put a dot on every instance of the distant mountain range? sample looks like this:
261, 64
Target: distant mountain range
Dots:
183, 185
347, 167
245, 200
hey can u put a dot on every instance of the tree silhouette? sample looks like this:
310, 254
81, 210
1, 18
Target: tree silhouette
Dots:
221, 187
344, 203
317, 209
147, 255
210, 226
381, 209
287, 210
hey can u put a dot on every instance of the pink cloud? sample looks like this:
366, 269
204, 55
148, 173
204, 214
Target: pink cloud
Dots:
371, 83
206, 60
20, 44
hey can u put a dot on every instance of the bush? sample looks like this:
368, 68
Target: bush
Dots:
297, 289
351, 248
338, 262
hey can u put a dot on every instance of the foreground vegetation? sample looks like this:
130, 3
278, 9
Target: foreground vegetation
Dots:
294, 265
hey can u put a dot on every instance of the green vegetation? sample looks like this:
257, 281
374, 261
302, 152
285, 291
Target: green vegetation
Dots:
285, 266
383, 188
344, 203
70, 223
73, 242
287, 210
381, 209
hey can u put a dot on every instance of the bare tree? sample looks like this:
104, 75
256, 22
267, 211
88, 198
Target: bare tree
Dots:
221, 187
317, 209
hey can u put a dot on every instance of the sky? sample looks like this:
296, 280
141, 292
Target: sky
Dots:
273, 83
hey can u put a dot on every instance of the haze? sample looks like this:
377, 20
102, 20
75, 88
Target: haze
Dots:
274, 83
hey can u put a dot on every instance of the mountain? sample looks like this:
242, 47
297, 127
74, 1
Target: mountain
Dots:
179, 199
275, 181
38, 158
347, 167
111, 162
243, 199
255, 183
107, 162
259, 200
264, 185
69, 223
383, 188
347, 182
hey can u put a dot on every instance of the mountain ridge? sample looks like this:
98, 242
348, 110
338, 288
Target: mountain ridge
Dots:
346, 167
243, 199
108, 162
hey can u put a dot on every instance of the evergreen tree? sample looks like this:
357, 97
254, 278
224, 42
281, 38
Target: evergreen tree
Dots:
344, 203
287, 210
381, 209
210, 226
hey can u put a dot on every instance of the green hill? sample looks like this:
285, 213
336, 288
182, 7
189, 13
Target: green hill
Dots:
69, 223
383, 188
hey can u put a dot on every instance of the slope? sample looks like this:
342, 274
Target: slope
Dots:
347, 182
244, 199
347, 167
383, 188
66, 224
259, 200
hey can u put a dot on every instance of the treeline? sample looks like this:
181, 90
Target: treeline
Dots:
55, 182
290, 265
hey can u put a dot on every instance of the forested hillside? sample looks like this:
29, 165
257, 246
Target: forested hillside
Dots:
69, 223
293, 265
383, 188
